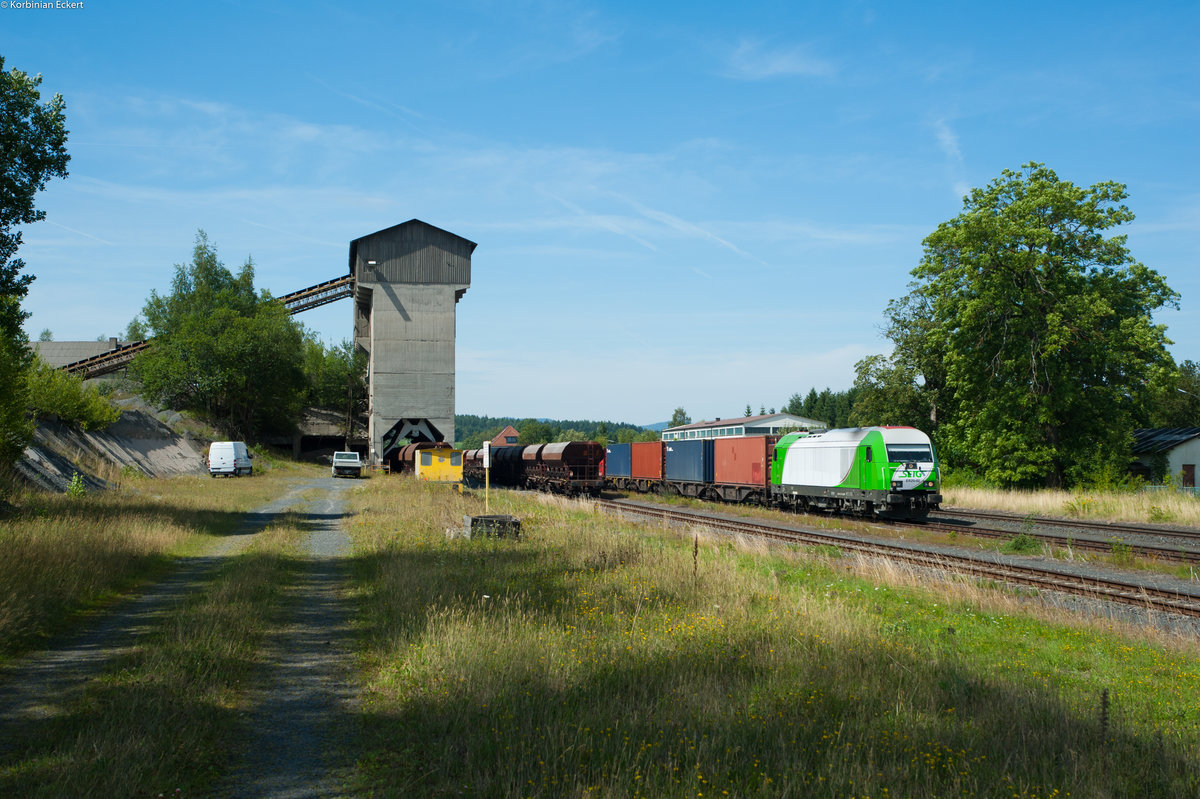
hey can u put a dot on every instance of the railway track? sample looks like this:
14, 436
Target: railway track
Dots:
990, 566
1184, 553
1095, 526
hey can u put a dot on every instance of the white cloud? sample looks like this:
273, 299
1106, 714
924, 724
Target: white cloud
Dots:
752, 60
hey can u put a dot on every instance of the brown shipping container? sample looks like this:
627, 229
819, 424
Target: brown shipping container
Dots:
647, 460
741, 461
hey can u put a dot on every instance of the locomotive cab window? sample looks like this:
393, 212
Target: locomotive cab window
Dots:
906, 453
869, 455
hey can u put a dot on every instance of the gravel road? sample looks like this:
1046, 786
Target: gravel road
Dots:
304, 713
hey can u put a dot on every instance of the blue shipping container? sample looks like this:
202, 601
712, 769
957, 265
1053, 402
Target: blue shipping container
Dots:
690, 461
618, 460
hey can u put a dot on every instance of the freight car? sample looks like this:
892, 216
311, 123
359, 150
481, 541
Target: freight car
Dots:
889, 472
565, 467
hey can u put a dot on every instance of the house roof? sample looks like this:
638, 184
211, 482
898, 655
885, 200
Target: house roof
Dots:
509, 430
761, 420
1152, 440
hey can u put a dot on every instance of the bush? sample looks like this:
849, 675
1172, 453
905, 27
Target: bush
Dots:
55, 393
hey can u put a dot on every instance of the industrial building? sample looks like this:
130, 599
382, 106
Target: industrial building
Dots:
407, 282
771, 424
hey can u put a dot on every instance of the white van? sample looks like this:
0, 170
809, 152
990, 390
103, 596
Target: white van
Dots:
229, 458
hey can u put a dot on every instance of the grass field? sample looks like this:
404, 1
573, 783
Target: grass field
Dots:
590, 657
65, 555
596, 658
1173, 507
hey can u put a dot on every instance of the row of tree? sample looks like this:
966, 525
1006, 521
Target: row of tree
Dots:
235, 356
471, 431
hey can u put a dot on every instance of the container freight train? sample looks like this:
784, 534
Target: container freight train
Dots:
565, 467
889, 472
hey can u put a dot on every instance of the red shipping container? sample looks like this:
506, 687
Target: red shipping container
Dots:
740, 461
647, 460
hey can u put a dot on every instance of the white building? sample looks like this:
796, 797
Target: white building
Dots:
772, 424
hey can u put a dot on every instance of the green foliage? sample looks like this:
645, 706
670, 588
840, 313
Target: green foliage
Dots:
336, 376
1030, 333
1079, 506
888, 393
136, 330
471, 431
33, 138
55, 393
223, 350
15, 425
679, 417
834, 408
1022, 544
1157, 514
77, 489
1175, 398
1122, 553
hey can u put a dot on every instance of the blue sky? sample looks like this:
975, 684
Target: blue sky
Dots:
696, 204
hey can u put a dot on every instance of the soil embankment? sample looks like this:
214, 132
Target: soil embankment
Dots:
138, 440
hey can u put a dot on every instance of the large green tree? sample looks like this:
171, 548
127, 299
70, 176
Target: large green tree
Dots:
33, 138
1032, 332
223, 349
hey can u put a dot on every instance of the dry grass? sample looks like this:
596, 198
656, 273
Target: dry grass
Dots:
64, 555
166, 719
1145, 506
597, 658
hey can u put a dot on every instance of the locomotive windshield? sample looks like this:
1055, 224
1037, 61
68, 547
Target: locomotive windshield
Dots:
909, 453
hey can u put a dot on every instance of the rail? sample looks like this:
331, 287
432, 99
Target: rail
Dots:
990, 566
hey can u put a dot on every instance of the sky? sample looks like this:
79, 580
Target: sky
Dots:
698, 205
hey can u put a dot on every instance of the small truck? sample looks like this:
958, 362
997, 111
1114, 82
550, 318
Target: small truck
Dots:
347, 464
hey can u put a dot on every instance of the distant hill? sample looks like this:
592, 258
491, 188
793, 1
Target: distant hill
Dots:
658, 427
471, 431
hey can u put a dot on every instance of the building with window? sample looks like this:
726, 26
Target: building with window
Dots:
506, 437
1167, 452
772, 424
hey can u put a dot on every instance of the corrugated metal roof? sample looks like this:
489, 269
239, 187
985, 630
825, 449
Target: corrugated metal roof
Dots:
750, 421
1150, 440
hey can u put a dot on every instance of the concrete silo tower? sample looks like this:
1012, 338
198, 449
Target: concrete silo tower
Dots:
408, 280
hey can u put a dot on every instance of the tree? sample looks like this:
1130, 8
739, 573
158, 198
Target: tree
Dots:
1031, 333
33, 138
335, 378
1176, 401
534, 431
748, 411
887, 393
54, 393
679, 418
223, 350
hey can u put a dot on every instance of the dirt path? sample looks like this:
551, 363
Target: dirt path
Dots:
45, 683
304, 715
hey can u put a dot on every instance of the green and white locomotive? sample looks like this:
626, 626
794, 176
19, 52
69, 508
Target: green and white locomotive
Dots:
890, 472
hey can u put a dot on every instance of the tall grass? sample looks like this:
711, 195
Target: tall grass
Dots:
596, 658
167, 718
61, 555
1142, 506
